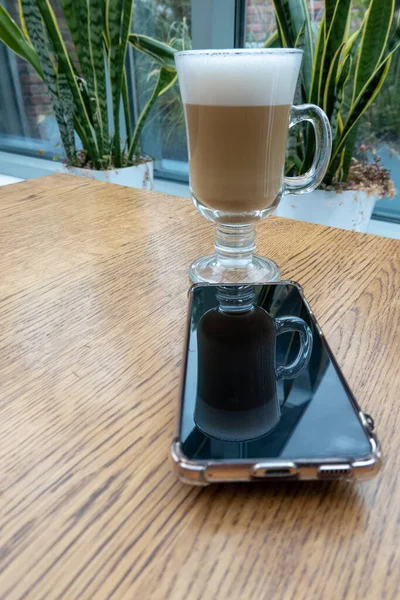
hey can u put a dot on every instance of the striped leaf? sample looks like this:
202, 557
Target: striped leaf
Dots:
85, 22
68, 108
127, 109
73, 25
282, 39
335, 117
96, 52
347, 154
80, 24
342, 79
38, 36
319, 50
299, 41
330, 85
330, 7
373, 43
352, 42
335, 28
162, 53
114, 14
273, 41
106, 33
22, 21
13, 37
362, 102
292, 16
66, 67
125, 29
165, 80
118, 17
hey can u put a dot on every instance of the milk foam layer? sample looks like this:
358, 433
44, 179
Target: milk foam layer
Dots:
229, 78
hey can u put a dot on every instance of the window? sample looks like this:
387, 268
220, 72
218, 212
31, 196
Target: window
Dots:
27, 123
28, 126
380, 128
164, 135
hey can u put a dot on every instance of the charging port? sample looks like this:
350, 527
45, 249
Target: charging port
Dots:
278, 473
287, 470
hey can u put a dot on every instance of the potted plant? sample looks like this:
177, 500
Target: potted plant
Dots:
87, 89
343, 70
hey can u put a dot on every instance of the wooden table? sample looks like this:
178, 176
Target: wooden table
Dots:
93, 289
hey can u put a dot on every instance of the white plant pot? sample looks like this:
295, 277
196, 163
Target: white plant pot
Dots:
348, 210
140, 176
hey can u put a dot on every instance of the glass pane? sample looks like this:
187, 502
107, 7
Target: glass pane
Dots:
379, 132
27, 123
164, 135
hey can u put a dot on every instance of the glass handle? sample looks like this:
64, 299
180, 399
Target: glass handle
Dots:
284, 324
323, 147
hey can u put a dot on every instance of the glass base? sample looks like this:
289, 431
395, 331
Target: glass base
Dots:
209, 269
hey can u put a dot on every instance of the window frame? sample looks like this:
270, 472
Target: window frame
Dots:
227, 30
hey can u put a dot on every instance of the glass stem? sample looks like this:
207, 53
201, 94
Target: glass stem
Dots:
235, 245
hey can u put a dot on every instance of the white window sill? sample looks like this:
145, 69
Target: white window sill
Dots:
12, 166
6, 179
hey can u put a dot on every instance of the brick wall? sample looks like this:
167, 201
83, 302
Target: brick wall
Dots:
260, 23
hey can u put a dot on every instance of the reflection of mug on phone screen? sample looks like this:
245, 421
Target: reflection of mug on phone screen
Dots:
237, 372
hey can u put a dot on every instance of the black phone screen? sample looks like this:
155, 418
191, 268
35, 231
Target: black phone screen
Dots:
241, 397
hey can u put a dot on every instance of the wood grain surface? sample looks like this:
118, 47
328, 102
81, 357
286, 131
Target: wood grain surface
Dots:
93, 287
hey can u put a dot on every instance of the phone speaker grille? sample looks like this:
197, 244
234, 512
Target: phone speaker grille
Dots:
334, 472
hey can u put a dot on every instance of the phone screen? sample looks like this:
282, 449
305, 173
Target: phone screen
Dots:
239, 400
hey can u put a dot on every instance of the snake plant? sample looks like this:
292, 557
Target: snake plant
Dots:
342, 70
81, 88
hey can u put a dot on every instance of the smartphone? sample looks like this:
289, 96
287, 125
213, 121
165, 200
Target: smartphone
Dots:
262, 396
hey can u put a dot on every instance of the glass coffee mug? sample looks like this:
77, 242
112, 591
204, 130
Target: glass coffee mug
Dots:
236, 396
238, 110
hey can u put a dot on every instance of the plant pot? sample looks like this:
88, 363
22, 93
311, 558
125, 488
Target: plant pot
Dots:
348, 210
139, 176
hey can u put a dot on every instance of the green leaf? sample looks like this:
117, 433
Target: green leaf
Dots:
127, 110
273, 41
88, 32
74, 25
34, 24
66, 67
351, 42
330, 7
292, 16
114, 16
342, 79
77, 15
363, 101
96, 54
300, 37
13, 37
319, 50
336, 27
158, 51
330, 85
119, 18
336, 119
22, 21
373, 42
165, 80
348, 153
68, 108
